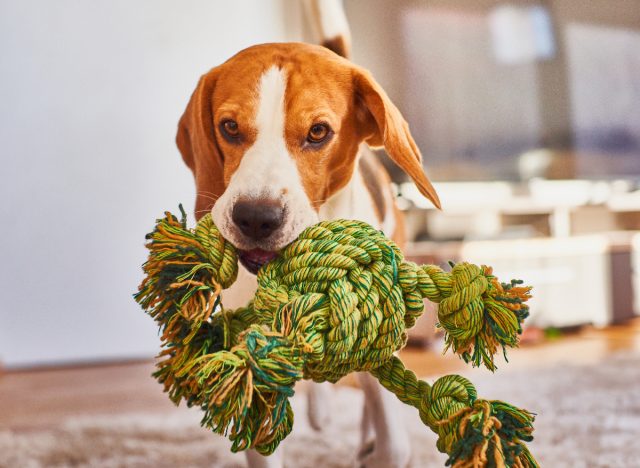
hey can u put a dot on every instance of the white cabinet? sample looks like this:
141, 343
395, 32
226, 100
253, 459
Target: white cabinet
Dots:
576, 280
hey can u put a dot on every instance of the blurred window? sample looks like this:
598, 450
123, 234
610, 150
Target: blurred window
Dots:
604, 72
485, 88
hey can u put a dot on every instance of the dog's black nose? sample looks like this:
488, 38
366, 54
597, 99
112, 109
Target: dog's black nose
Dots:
257, 219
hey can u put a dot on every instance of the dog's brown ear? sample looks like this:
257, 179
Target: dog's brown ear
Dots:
384, 126
197, 143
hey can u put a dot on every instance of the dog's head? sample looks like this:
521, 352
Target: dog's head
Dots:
273, 133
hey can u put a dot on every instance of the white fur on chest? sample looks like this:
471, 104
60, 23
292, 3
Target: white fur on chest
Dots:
351, 202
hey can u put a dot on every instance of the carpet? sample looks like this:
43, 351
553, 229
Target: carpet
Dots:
588, 416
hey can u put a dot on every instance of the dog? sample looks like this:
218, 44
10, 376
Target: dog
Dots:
276, 138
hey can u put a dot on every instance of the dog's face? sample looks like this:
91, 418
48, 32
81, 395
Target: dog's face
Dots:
273, 133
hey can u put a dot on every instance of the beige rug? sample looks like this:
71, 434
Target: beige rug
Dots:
587, 417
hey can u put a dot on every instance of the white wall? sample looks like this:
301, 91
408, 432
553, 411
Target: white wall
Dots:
90, 96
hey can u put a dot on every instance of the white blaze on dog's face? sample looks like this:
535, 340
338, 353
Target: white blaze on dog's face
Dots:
273, 133
264, 205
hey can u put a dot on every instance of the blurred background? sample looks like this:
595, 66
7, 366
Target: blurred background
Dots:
527, 114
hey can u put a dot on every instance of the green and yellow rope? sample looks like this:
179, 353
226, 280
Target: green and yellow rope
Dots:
337, 300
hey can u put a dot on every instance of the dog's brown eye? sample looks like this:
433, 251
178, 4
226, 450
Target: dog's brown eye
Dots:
230, 128
318, 133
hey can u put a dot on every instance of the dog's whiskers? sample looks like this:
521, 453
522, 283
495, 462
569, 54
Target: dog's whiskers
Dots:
203, 211
208, 195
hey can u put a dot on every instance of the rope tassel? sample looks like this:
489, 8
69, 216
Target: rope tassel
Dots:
337, 300
478, 313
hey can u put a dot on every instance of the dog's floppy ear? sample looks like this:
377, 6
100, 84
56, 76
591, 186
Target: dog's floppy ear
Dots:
385, 126
197, 143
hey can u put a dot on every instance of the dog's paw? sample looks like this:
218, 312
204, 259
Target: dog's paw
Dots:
369, 456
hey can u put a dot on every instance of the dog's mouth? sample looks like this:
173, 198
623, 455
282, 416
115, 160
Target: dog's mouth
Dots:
255, 259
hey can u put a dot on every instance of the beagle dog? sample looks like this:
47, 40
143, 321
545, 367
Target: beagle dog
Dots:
275, 138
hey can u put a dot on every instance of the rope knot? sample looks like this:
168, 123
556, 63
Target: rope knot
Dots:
476, 432
480, 314
246, 390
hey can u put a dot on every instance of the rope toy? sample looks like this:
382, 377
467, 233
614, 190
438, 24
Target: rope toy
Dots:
337, 300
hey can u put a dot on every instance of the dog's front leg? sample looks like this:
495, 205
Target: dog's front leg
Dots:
318, 401
255, 460
383, 413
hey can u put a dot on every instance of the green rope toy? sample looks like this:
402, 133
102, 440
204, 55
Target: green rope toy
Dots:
337, 300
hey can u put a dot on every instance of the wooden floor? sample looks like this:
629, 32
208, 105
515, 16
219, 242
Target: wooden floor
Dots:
40, 398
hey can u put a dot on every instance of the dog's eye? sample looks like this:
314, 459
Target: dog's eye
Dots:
318, 133
230, 128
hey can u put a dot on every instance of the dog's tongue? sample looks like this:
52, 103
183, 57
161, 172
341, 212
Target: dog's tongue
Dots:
255, 258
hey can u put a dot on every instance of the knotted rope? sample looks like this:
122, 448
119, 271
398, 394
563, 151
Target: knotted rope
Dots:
337, 300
